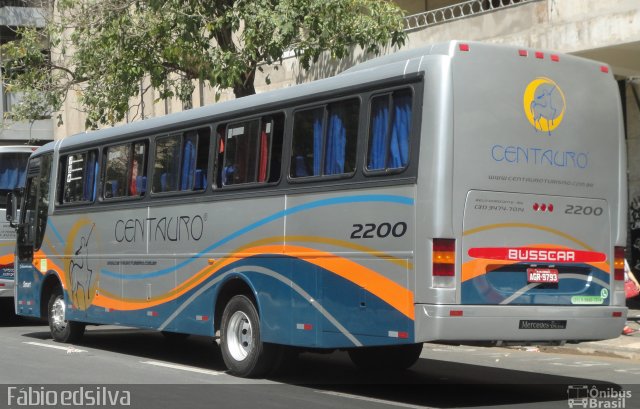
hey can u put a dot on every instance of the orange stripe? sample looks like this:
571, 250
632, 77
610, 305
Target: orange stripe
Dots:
384, 288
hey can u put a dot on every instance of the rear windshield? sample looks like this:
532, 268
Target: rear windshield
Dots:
13, 167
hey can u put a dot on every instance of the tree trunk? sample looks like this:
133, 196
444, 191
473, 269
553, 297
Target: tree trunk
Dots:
246, 86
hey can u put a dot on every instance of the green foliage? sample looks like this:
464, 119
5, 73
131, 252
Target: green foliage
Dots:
102, 50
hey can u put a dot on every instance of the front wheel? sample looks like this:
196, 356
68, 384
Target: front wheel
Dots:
243, 351
395, 357
61, 329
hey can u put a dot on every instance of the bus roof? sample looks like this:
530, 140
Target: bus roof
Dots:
401, 64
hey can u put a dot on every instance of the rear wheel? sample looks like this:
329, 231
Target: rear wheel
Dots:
396, 357
61, 329
243, 351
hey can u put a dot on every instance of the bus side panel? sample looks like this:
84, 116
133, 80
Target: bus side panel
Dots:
361, 245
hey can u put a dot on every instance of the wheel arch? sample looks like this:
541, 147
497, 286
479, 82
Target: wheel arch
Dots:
232, 286
49, 284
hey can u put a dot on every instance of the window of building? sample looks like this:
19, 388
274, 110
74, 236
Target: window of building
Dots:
389, 131
325, 139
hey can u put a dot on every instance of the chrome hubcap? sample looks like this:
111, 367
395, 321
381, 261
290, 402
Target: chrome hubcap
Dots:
240, 336
57, 315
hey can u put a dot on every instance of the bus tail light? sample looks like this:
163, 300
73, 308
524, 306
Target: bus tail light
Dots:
618, 263
444, 267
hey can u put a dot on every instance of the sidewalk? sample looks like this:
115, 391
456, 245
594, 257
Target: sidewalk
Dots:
625, 346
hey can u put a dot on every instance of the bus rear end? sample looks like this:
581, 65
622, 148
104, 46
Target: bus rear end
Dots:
538, 201
13, 164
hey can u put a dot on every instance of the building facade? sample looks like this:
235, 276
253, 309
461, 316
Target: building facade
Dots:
13, 15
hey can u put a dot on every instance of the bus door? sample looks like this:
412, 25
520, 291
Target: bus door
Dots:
31, 266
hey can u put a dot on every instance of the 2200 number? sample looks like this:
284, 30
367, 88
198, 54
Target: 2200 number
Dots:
382, 230
583, 210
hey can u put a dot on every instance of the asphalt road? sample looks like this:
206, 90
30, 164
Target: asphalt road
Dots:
191, 374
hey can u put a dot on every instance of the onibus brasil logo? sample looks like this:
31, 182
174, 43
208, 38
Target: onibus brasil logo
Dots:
544, 104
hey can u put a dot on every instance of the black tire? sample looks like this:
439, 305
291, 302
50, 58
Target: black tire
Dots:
396, 357
61, 329
243, 351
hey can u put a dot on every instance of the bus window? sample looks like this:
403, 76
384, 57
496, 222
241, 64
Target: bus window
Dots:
324, 140
78, 177
251, 151
125, 171
389, 130
12, 172
181, 161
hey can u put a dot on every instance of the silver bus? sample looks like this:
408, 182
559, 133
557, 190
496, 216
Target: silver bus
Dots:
13, 166
461, 192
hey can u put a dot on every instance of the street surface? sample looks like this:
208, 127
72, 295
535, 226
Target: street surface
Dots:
190, 374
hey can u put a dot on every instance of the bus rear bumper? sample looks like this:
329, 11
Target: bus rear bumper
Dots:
517, 324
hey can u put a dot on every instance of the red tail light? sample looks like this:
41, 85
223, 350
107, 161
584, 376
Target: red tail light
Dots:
444, 256
618, 263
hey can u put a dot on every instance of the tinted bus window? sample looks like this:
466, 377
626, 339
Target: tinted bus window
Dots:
251, 151
389, 130
79, 172
12, 173
125, 170
181, 161
324, 140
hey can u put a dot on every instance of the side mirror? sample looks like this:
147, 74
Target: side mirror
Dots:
12, 208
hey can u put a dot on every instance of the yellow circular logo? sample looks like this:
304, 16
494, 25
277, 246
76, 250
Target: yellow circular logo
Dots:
544, 104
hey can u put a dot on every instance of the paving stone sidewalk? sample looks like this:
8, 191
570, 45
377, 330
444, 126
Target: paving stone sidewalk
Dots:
625, 346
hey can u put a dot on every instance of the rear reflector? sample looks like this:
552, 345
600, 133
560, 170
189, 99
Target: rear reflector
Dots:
616, 314
463, 47
604, 69
456, 313
618, 263
523, 53
444, 256
555, 58
539, 54
1, 284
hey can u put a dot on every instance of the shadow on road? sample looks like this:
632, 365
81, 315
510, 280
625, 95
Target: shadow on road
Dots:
8, 317
431, 382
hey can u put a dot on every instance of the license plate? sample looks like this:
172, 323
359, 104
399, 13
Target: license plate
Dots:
542, 275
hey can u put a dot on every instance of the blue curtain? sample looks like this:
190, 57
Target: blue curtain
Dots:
399, 144
317, 141
379, 124
89, 179
188, 165
11, 173
336, 143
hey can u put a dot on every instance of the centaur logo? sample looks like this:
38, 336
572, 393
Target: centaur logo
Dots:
544, 104
531, 254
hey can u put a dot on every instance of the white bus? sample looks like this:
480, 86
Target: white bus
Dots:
461, 192
13, 166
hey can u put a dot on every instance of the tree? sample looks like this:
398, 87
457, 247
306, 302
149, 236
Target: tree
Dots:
103, 49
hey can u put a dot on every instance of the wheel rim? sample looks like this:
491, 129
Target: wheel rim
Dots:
58, 323
240, 336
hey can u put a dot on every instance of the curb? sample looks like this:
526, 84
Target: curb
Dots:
596, 349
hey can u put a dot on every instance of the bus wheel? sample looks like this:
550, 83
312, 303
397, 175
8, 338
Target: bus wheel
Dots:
396, 357
243, 351
61, 329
